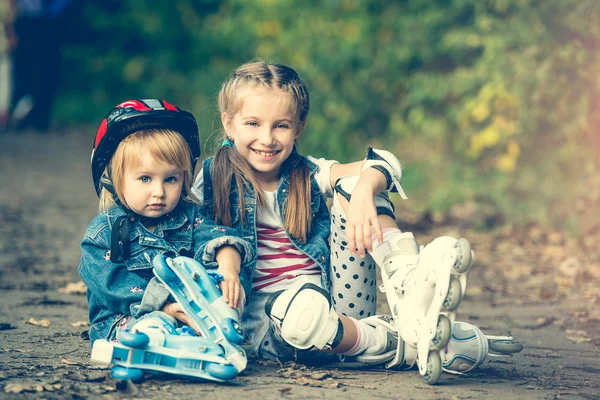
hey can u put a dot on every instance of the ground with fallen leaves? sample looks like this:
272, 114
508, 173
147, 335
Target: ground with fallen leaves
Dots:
543, 287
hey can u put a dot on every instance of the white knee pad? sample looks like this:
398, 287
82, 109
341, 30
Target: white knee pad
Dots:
304, 316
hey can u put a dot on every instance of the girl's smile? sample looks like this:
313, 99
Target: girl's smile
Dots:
264, 131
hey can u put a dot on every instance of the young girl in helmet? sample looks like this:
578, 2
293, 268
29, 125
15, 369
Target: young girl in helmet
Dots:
142, 162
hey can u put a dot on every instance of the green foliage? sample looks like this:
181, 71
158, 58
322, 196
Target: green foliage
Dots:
491, 101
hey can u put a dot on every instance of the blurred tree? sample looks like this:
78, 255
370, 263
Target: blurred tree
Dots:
490, 101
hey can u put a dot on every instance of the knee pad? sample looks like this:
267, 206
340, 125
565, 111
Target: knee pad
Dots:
304, 317
157, 327
345, 186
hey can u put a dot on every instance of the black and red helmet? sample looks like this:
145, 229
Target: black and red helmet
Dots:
136, 115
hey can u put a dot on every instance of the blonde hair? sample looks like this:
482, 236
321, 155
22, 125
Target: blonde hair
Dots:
228, 164
164, 145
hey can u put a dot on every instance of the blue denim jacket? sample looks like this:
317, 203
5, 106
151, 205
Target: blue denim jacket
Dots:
317, 243
129, 288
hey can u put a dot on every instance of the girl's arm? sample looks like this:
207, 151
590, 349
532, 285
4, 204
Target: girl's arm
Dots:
230, 262
221, 248
339, 170
362, 220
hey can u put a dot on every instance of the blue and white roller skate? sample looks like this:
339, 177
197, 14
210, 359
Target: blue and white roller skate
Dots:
423, 291
155, 345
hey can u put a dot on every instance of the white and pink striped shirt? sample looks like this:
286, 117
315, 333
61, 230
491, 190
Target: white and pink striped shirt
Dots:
278, 258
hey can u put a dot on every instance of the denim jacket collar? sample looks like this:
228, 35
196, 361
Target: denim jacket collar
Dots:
177, 221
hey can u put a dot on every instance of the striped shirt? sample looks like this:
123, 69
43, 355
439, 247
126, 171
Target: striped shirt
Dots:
279, 260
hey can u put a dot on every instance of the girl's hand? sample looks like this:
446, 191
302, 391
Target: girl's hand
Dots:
230, 262
175, 310
361, 219
230, 286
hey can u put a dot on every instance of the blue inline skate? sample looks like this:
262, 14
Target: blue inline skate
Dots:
156, 345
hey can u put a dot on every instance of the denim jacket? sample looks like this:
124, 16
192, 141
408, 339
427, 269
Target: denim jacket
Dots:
317, 243
129, 288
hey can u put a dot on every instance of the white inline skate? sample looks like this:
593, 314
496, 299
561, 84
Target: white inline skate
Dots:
423, 291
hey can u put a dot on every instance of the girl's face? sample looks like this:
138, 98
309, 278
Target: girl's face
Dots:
152, 188
264, 131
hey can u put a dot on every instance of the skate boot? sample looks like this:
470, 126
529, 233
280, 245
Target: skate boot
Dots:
156, 345
423, 291
388, 341
469, 347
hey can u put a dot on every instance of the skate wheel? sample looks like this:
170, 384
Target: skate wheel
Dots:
162, 270
505, 346
220, 371
434, 368
454, 295
443, 333
463, 261
232, 331
127, 374
136, 340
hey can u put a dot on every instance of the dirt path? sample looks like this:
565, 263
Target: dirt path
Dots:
539, 286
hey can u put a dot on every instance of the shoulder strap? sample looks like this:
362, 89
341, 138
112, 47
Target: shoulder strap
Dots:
119, 240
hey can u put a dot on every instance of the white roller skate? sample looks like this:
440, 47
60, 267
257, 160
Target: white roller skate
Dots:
155, 345
423, 291
469, 347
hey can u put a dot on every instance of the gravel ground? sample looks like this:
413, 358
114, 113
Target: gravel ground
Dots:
540, 287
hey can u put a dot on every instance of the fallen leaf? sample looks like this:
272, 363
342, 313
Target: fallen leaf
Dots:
576, 339
285, 390
327, 383
44, 322
68, 362
48, 388
80, 324
268, 363
74, 288
575, 332
14, 388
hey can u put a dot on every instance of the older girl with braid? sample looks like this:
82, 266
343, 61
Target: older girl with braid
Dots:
309, 293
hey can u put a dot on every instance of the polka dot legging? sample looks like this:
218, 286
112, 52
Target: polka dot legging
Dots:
353, 279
